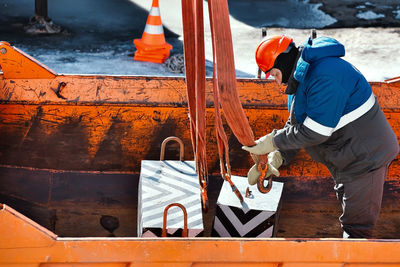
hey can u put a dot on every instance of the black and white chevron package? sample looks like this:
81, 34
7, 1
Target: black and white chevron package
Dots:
257, 216
162, 183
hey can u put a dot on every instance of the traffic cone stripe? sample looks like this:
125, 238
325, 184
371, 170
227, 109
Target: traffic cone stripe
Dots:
153, 29
154, 20
152, 39
155, 11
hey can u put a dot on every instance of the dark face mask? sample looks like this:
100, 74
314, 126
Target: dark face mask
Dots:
285, 62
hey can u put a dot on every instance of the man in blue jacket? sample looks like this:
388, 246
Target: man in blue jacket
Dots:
335, 116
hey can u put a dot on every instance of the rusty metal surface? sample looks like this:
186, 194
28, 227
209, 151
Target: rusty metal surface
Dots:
156, 91
117, 138
57, 146
140, 90
72, 203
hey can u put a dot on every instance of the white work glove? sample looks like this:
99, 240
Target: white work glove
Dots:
274, 162
263, 146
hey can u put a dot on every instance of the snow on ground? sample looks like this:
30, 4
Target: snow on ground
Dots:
369, 15
103, 31
397, 12
373, 51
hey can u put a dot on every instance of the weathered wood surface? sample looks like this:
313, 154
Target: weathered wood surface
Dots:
52, 149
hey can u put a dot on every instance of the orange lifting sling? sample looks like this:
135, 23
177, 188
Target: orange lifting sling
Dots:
224, 87
193, 32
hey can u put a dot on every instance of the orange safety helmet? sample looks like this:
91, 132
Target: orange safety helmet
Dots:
269, 49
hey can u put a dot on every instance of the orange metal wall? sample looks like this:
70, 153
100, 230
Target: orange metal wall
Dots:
137, 113
131, 134
112, 123
29, 244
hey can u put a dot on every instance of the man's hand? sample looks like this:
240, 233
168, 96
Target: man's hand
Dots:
263, 146
274, 162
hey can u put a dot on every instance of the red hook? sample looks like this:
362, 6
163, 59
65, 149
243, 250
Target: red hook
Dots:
260, 182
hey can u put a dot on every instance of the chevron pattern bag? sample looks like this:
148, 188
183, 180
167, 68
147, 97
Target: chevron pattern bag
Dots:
163, 182
257, 216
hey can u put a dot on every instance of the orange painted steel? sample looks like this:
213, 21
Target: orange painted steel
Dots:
98, 121
39, 106
115, 129
146, 104
156, 91
29, 244
132, 90
15, 64
18, 231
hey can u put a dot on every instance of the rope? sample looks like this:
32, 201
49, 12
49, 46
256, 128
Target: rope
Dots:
175, 63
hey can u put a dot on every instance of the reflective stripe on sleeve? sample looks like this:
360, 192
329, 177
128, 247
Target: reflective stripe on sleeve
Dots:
344, 120
317, 127
357, 113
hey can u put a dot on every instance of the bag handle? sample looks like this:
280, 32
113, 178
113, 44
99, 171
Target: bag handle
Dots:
176, 139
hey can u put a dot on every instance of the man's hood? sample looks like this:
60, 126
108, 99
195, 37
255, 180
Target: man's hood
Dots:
315, 50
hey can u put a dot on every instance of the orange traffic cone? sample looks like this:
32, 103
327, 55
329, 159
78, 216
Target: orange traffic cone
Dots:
152, 47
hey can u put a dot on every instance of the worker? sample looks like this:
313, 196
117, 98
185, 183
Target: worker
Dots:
336, 118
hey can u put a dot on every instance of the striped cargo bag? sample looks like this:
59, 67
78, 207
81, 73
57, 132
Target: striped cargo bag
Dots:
164, 187
257, 216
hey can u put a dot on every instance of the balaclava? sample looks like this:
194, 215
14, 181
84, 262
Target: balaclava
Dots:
285, 62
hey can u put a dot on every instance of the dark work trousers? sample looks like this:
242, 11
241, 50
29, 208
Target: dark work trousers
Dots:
361, 200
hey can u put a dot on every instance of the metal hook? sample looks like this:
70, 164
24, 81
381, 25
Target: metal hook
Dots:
248, 193
172, 138
260, 182
185, 227
204, 198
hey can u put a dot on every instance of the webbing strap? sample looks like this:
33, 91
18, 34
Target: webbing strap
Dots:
193, 32
222, 140
224, 85
225, 68
225, 78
